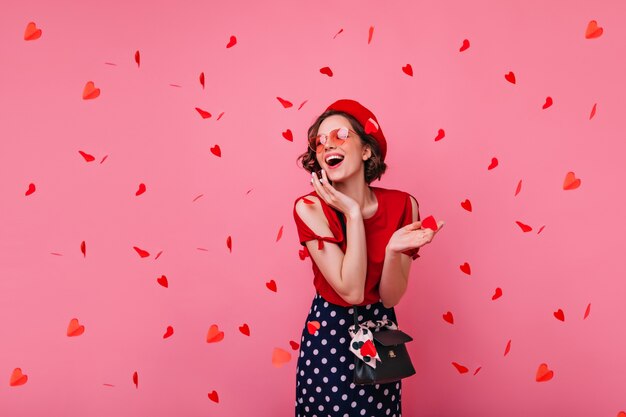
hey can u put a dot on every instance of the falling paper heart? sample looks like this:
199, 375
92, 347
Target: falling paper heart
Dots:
229, 244
136, 379
440, 135
214, 335
90, 91
448, 317
141, 252
543, 373
271, 285
593, 111
244, 329
294, 345
288, 135
86, 156
141, 189
286, 103
231, 42
216, 151
464, 46
31, 33
548, 103
313, 326
168, 332
571, 182
75, 328
525, 228
201, 79
467, 205
587, 311
465, 268
408, 69
137, 58
462, 369
593, 30
369, 36
519, 187
326, 71
280, 357
162, 280
429, 223
83, 249
280, 233
17, 378
493, 164
508, 348
31, 189
559, 315
205, 114
478, 370
214, 397
510, 77
497, 294
302, 104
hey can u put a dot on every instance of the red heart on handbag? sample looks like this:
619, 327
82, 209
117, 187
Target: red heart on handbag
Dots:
368, 349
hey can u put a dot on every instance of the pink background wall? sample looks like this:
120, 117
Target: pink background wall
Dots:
145, 123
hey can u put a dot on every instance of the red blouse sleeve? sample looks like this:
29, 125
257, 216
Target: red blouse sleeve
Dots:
407, 218
305, 233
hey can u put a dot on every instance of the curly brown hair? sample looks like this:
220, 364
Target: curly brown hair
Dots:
375, 167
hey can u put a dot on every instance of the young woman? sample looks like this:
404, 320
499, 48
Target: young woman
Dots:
368, 266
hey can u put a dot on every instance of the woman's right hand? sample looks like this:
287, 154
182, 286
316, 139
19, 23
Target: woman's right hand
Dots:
332, 197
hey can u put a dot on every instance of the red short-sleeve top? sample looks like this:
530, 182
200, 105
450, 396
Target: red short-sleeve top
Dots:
394, 211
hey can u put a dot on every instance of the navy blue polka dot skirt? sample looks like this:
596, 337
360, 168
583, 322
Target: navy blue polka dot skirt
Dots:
325, 367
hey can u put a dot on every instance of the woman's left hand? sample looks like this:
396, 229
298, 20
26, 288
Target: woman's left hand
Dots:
412, 236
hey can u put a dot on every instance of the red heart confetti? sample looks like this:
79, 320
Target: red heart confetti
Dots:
203, 113
477, 370
326, 71
294, 345
75, 328
271, 285
288, 135
465, 268
559, 315
231, 42
214, 397
440, 135
141, 189
90, 91
280, 357
83, 249
493, 164
540, 229
104, 159
340, 30
31, 33
201, 78
244, 329
162, 280
548, 103
31, 189
369, 36
219, 116
429, 223
280, 233
467, 205
621, 414
464, 46
371, 126
497, 294
141, 252
313, 326
519, 187
408, 69
286, 104
86, 156
587, 311
158, 254
136, 379
525, 228
302, 104
510, 77
368, 349
229, 244
571, 182
17, 378
137, 58
593, 30
593, 111
543, 373
168, 332
462, 369
508, 348
214, 335
448, 317
216, 151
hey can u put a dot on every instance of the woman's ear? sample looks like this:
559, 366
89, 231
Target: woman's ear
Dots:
367, 152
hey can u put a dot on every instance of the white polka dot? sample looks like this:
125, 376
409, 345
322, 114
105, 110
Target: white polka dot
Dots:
316, 371
303, 391
352, 386
360, 317
333, 332
324, 322
301, 373
333, 351
324, 342
325, 304
350, 310
300, 400
318, 389
309, 381
308, 362
321, 408
325, 379
301, 353
342, 340
324, 360
333, 370
379, 406
362, 392
363, 412
342, 359
327, 398
343, 377
306, 408
370, 399
386, 392
342, 322
317, 314
353, 404
315, 351
308, 343
397, 385
334, 389
333, 314
344, 397
388, 412
376, 312
393, 398
351, 367
336, 408
384, 317
311, 399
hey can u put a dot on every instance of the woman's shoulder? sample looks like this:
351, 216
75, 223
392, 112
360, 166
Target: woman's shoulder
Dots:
393, 194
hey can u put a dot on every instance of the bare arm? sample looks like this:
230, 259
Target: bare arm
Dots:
344, 272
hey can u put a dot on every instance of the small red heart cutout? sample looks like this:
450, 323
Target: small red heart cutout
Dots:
294, 345
168, 332
205, 114
286, 103
525, 228
543, 373
141, 189
368, 349
75, 328
326, 71
593, 30
162, 280
497, 294
571, 182
214, 335
231, 42
288, 135
462, 369
216, 151
559, 315
510, 77
244, 329
408, 69
548, 103
313, 326
429, 223
90, 91
448, 317
493, 164
141, 252
17, 378
31, 189
214, 397
31, 33
271, 285
440, 135
465, 45
467, 205
466, 268
86, 156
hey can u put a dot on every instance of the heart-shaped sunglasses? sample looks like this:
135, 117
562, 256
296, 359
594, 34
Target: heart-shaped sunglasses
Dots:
339, 135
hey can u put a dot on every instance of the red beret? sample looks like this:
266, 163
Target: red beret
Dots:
365, 117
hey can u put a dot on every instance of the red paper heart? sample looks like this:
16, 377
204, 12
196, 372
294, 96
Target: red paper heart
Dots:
313, 326
548, 103
162, 280
519, 187
244, 329
462, 369
408, 69
271, 285
369, 36
136, 379
368, 349
229, 244
141, 189
168, 332
141, 252
493, 164
214, 335
508, 348
90, 91
231, 42
280, 357
571, 182
440, 135
465, 45
214, 397
201, 78
525, 228
294, 345
216, 150
326, 71
86, 156
31, 33
205, 114
75, 328
466, 268
83, 249
510, 77
559, 315
429, 223
593, 30
288, 135
448, 317
371, 126
543, 373
17, 378
137, 58
280, 234
285, 103
587, 311
31, 189
467, 205
497, 294
593, 111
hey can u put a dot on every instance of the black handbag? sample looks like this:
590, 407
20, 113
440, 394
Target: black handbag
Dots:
395, 360
390, 345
